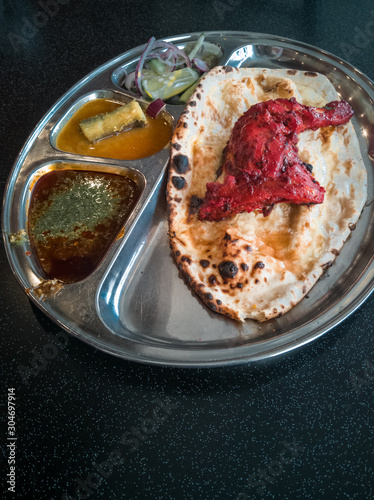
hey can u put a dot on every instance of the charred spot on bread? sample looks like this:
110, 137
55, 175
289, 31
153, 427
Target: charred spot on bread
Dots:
228, 269
194, 205
326, 265
179, 182
259, 265
212, 279
204, 263
212, 306
308, 166
267, 210
181, 164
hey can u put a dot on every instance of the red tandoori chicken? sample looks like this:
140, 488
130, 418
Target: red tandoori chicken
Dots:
261, 166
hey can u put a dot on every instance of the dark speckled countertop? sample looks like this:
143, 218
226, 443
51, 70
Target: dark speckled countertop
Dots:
88, 425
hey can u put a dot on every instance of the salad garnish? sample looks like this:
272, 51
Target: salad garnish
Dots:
166, 72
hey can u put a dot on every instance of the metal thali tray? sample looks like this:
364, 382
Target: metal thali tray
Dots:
135, 305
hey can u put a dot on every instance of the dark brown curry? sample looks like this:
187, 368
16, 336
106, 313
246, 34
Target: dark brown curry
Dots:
74, 217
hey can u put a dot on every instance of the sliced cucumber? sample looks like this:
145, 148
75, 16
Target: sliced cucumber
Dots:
196, 47
157, 66
170, 84
188, 93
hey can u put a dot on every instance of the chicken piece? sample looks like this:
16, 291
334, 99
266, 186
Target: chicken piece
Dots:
261, 166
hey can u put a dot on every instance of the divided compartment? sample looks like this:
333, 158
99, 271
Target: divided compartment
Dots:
120, 73
263, 56
143, 298
74, 165
140, 143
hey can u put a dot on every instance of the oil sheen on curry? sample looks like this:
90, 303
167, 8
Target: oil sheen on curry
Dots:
131, 143
74, 217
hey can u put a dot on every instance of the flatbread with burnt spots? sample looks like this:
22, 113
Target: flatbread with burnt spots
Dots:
248, 265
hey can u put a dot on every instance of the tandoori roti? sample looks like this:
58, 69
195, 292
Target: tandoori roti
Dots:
248, 265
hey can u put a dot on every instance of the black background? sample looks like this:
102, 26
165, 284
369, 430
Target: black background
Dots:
226, 423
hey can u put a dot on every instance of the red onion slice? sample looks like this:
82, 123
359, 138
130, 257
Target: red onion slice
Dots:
165, 61
139, 66
167, 57
129, 81
166, 54
172, 57
155, 108
200, 65
175, 49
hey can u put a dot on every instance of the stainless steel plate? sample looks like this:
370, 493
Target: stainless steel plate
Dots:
135, 305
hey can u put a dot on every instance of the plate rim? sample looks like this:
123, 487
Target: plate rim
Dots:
239, 359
